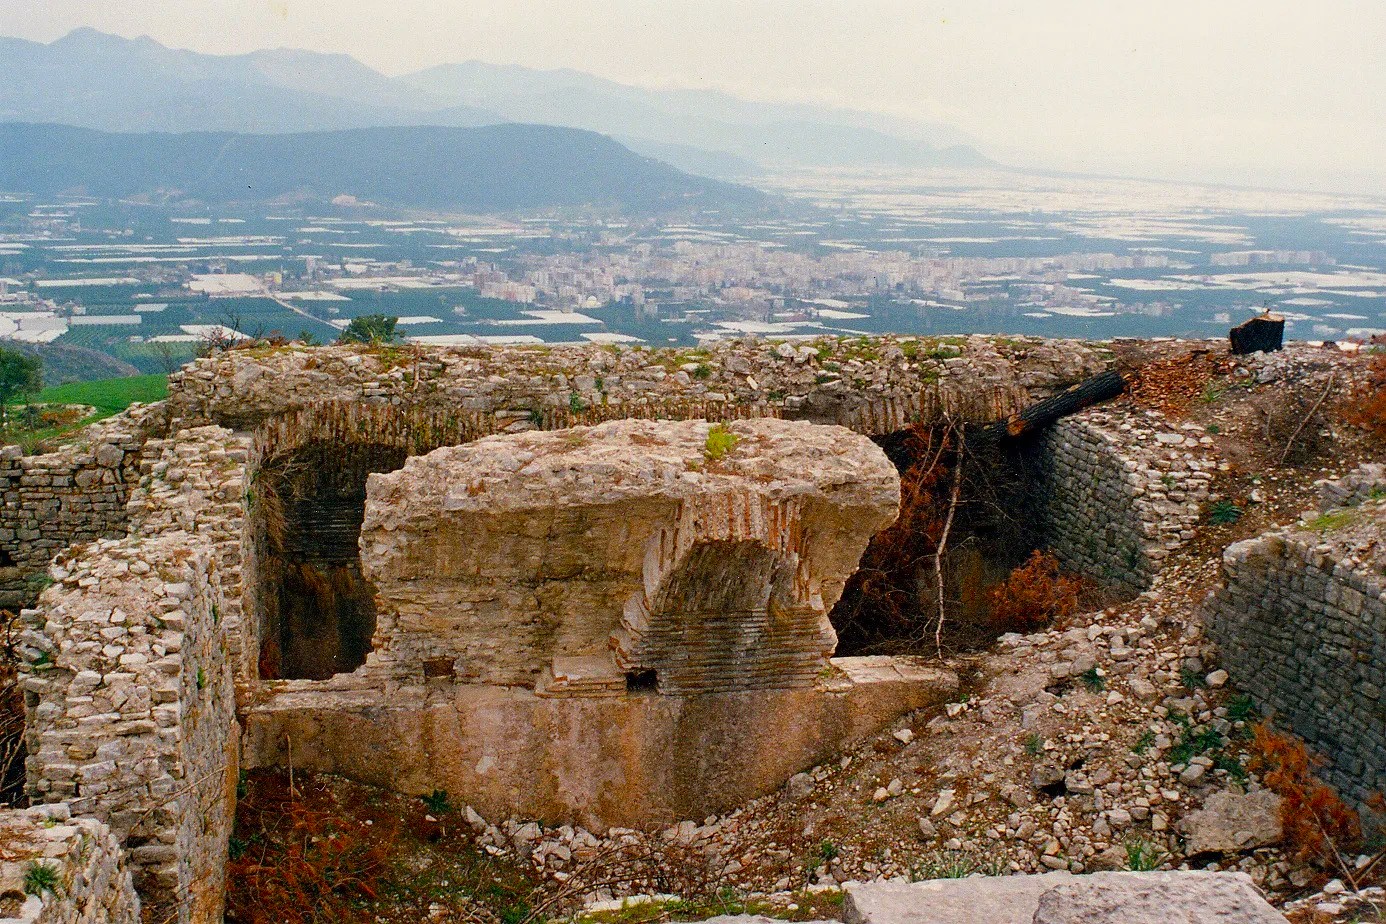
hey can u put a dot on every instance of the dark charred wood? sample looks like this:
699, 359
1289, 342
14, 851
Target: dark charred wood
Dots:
1102, 387
1265, 334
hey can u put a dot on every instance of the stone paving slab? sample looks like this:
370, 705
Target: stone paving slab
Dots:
1195, 897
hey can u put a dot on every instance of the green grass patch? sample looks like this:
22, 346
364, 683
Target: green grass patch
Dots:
1337, 519
108, 396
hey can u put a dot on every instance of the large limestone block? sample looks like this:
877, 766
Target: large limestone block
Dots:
1231, 822
978, 900
1185, 897
629, 541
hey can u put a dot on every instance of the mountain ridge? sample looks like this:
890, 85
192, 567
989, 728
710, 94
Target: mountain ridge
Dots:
92, 79
495, 168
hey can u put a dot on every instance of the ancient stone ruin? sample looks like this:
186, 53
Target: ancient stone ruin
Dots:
572, 585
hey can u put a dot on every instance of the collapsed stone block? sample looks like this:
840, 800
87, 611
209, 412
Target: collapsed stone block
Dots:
571, 560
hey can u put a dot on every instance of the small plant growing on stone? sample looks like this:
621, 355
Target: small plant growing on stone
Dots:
1034, 744
720, 441
1144, 742
437, 802
1224, 512
946, 864
1240, 708
1214, 429
576, 404
1192, 679
1092, 679
1231, 765
1193, 743
40, 877
1142, 856
702, 371
370, 328
201, 679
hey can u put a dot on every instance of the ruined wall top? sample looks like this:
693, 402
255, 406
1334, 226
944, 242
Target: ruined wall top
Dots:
869, 384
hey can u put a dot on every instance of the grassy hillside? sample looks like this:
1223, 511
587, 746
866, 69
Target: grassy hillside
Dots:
65, 362
108, 396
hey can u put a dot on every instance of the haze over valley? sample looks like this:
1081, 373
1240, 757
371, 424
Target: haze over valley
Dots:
154, 196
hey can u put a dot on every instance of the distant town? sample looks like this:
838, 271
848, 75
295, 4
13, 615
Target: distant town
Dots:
932, 253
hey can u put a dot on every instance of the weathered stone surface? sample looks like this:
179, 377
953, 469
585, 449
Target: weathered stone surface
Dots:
126, 666
976, 900
631, 760
512, 555
1187, 897
1121, 490
1230, 822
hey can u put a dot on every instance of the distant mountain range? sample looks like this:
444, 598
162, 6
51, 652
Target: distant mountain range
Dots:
94, 80
493, 168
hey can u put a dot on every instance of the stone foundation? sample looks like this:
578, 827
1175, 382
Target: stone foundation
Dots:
632, 760
674, 654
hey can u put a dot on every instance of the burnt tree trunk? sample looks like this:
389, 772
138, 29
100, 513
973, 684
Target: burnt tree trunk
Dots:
1263, 334
1102, 387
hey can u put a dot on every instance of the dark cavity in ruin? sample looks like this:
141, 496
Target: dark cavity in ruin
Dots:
319, 610
993, 487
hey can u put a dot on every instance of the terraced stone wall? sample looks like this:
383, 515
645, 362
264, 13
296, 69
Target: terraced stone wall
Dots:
91, 880
127, 675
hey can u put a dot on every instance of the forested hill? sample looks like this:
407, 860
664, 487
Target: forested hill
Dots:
492, 168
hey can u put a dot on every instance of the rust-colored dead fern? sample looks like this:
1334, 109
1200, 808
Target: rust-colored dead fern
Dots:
300, 864
883, 597
1318, 826
1366, 407
1036, 595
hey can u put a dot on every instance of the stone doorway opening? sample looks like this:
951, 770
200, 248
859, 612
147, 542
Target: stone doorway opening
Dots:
317, 609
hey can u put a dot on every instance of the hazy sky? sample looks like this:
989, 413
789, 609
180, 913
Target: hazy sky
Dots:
1267, 92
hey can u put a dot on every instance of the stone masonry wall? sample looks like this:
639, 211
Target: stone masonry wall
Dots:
1120, 491
92, 882
1301, 621
130, 712
876, 385
49, 501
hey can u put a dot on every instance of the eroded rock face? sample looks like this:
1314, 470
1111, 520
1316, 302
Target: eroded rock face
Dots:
577, 561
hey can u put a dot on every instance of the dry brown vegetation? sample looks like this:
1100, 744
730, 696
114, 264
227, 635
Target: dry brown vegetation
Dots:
1319, 827
1035, 596
1366, 407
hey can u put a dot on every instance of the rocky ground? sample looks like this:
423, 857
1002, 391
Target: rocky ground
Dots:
1113, 741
